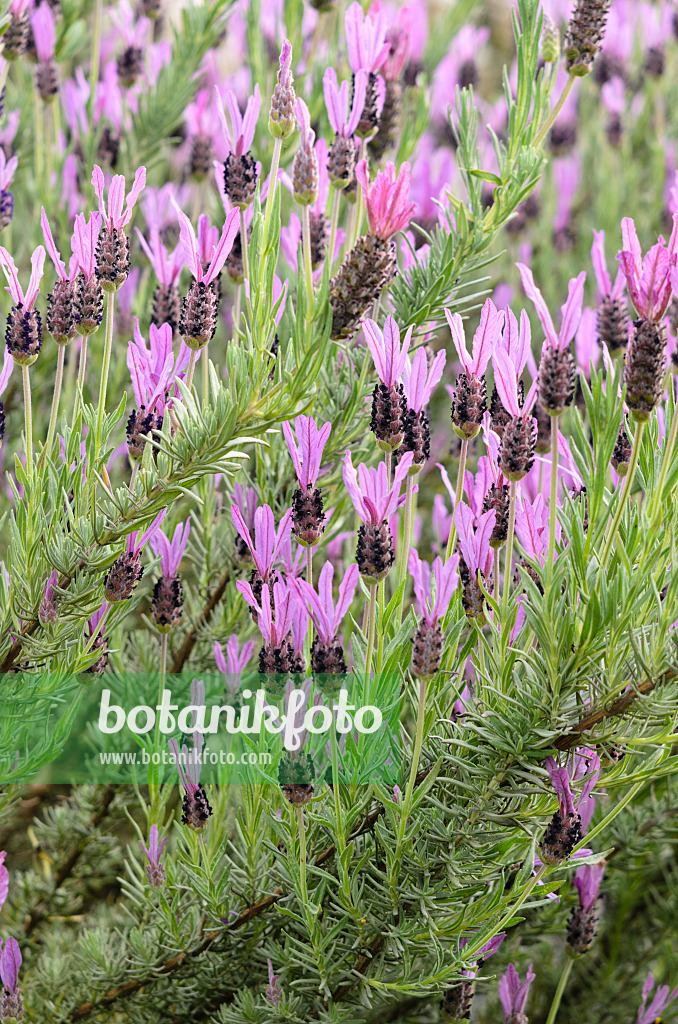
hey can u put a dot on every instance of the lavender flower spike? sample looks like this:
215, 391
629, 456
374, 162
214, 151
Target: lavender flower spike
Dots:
307, 510
196, 807
375, 502
513, 995
388, 210
155, 871
24, 325
327, 653
648, 277
419, 383
341, 157
470, 395
581, 927
11, 1001
112, 256
234, 664
519, 436
476, 557
663, 997
281, 121
427, 643
389, 408
564, 831
273, 993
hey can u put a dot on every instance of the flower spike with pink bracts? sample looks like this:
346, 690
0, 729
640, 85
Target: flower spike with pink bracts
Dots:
386, 199
513, 995
557, 370
581, 927
168, 595
476, 557
11, 1000
427, 643
368, 49
419, 383
196, 808
519, 436
375, 502
127, 570
155, 871
277, 621
234, 664
341, 158
565, 828
267, 543
388, 398
7, 172
327, 652
23, 334
308, 515
663, 997
112, 255
167, 269
240, 167
470, 396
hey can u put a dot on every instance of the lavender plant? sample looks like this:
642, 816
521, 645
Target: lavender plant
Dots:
229, 465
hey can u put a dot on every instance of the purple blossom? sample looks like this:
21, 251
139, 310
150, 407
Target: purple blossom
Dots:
171, 551
649, 278
273, 993
325, 615
166, 267
7, 170
385, 348
585, 763
484, 340
84, 242
532, 525
419, 382
506, 382
239, 129
136, 543
513, 995
47, 611
234, 664
388, 210
114, 217
27, 300
246, 502
490, 947
267, 542
343, 120
275, 623
586, 344
446, 579
587, 882
153, 368
4, 879
10, 962
571, 310
307, 456
133, 30
188, 763
605, 287
44, 33
155, 872
663, 997
217, 256
365, 38
372, 498
475, 541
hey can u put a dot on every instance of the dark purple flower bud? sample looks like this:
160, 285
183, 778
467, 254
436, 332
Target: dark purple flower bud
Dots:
60, 321
281, 120
155, 871
112, 258
296, 774
455, 1005
240, 178
557, 375
88, 304
15, 39
6, 208
46, 81
644, 368
129, 65
368, 268
621, 456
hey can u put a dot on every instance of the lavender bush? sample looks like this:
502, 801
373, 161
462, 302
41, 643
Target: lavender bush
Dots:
287, 401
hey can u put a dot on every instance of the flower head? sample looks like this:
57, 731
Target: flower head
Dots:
155, 872
275, 620
44, 33
562, 776
273, 993
369, 490
267, 543
388, 354
307, 456
7, 170
474, 541
27, 300
365, 38
484, 340
388, 210
603, 279
153, 368
10, 962
587, 882
419, 382
513, 995
343, 120
171, 551
325, 615
649, 277
663, 997
570, 311
114, 216
239, 129
446, 579
217, 255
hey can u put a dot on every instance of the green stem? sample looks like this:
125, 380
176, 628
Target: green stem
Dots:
61, 354
108, 345
371, 621
154, 769
409, 789
334, 224
96, 55
548, 124
553, 511
82, 364
308, 269
28, 419
555, 1005
407, 537
667, 460
191, 368
509, 551
244, 245
495, 589
358, 219
474, 947
236, 310
302, 854
273, 184
628, 483
309, 580
460, 490
205, 377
